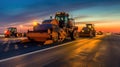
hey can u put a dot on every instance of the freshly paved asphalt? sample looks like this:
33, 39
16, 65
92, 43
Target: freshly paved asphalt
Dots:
101, 51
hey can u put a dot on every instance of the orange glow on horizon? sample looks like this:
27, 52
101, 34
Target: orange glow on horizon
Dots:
106, 27
111, 26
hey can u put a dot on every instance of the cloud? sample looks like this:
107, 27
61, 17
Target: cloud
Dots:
25, 10
99, 22
81, 17
38, 9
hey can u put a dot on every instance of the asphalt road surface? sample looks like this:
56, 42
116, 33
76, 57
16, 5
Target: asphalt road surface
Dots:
101, 51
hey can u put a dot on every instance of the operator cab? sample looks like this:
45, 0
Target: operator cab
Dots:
63, 19
11, 31
89, 25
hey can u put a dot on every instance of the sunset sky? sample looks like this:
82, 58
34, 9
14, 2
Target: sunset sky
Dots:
104, 13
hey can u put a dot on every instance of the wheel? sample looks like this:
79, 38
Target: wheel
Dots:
94, 34
62, 35
30, 39
16, 35
54, 36
74, 35
91, 34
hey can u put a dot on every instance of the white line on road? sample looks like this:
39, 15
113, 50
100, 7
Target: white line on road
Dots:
35, 52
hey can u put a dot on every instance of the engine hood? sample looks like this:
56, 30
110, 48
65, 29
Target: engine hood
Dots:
43, 27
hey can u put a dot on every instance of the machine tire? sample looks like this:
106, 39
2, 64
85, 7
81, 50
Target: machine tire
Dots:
74, 35
94, 34
30, 39
91, 34
62, 35
54, 36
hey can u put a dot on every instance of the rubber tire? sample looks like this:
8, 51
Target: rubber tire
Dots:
30, 39
56, 39
72, 35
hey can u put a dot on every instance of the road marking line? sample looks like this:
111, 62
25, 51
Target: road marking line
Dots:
35, 52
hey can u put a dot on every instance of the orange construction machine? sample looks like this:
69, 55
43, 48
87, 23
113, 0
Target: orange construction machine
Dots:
12, 32
57, 29
88, 31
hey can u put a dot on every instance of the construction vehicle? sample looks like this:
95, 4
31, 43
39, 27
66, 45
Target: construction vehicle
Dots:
12, 32
88, 31
99, 33
57, 29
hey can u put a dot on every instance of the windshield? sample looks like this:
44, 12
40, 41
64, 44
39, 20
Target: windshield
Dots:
62, 18
12, 29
